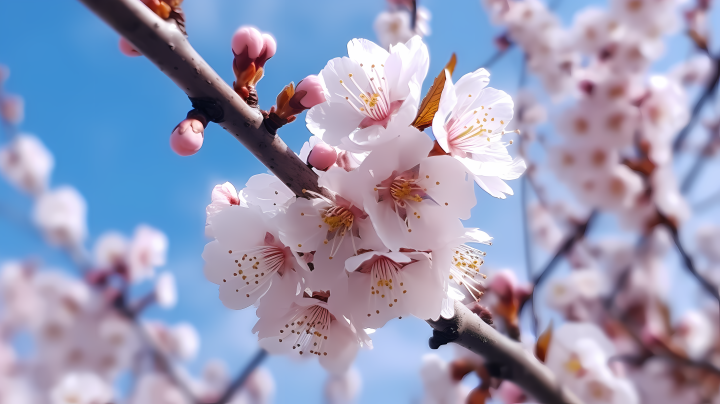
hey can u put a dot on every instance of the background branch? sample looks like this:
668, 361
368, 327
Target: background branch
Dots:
164, 45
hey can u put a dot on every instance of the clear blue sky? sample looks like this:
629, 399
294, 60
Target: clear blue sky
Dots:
107, 119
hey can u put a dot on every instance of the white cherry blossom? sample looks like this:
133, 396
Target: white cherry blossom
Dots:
369, 94
246, 256
311, 326
414, 201
469, 126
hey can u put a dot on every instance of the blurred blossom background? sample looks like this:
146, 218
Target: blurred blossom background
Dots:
106, 120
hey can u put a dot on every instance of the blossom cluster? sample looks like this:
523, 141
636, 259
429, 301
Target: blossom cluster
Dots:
86, 332
384, 239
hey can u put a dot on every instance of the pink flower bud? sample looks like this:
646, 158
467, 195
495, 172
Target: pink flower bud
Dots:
248, 38
322, 156
268, 50
12, 109
127, 49
187, 138
313, 87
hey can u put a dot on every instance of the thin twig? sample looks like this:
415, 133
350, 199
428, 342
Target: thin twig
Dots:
690, 265
694, 171
577, 235
697, 108
237, 384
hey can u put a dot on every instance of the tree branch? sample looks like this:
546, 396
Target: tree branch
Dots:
506, 359
164, 45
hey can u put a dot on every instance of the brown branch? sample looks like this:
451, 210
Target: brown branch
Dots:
506, 359
164, 45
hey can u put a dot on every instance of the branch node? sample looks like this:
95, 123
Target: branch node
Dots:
446, 336
209, 107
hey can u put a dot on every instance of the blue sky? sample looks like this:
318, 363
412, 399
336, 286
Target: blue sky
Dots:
107, 119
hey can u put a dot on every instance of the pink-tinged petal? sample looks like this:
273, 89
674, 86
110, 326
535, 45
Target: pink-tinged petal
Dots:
314, 89
187, 138
302, 227
127, 49
268, 50
362, 50
470, 84
250, 38
408, 63
448, 100
239, 226
341, 347
329, 263
445, 181
494, 186
322, 156
225, 194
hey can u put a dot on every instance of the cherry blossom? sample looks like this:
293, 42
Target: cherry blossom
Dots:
247, 255
369, 94
311, 326
469, 126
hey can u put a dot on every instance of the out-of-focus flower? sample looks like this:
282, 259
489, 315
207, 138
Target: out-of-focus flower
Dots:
578, 354
82, 388
166, 290
258, 389
27, 164
61, 216
574, 294
148, 250
181, 341
343, 388
469, 125
370, 95
695, 334
110, 250
543, 228
20, 302
395, 26
594, 29
439, 385
696, 70
157, 389
12, 108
